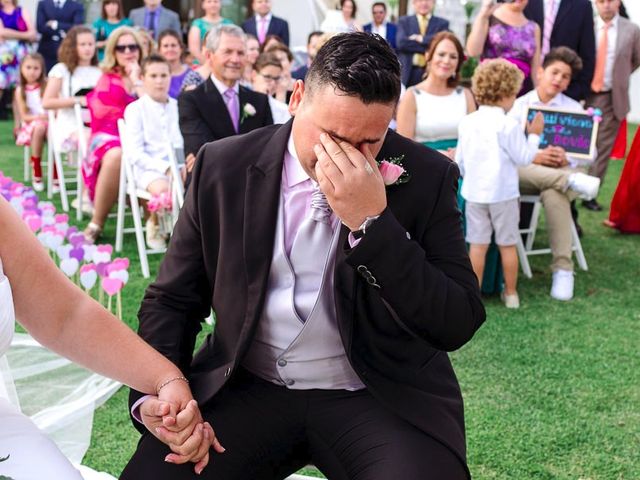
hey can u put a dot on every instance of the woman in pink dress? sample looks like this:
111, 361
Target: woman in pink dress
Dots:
625, 206
119, 85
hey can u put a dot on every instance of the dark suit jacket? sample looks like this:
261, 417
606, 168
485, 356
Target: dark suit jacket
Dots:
204, 117
71, 13
168, 20
395, 336
392, 30
277, 26
573, 28
408, 26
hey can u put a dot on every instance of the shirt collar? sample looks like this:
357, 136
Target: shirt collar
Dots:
554, 102
600, 22
492, 108
154, 104
268, 17
222, 87
293, 171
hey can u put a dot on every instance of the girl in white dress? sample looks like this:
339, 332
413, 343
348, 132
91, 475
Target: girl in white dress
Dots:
61, 317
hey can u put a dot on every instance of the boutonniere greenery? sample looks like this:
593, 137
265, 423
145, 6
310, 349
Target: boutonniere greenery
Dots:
392, 171
248, 110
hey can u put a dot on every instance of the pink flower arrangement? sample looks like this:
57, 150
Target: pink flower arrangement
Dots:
160, 203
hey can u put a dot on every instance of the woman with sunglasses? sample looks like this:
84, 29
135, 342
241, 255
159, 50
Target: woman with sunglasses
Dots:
119, 85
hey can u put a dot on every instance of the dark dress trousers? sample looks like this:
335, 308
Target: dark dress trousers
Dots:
572, 28
71, 13
204, 117
406, 48
277, 26
404, 296
392, 31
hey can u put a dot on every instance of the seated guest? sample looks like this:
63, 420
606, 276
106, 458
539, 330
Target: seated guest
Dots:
201, 26
220, 107
431, 111
152, 128
554, 175
285, 86
414, 36
154, 18
170, 46
253, 52
491, 148
54, 19
117, 87
112, 17
69, 82
312, 50
267, 73
263, 23
502, 31
380, 26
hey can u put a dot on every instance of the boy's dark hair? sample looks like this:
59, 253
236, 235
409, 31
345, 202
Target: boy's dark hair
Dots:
150, 60
379, 4
564, 55
359, 65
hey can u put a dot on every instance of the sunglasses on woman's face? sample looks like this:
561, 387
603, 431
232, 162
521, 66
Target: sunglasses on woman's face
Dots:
123, 48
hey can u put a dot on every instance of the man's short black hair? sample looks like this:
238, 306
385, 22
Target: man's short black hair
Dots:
564, 55
357, 64
379, 4
317, 33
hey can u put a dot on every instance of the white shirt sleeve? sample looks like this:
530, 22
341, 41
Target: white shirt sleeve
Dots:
133, 117
520, 147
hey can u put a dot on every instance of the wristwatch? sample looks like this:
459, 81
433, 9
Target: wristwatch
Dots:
362, 230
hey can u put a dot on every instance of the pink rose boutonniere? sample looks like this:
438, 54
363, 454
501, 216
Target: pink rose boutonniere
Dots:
392, 171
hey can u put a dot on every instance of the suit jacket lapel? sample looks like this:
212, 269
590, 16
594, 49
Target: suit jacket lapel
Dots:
563, 10
215, 111
344, 280
262, 198
244, 125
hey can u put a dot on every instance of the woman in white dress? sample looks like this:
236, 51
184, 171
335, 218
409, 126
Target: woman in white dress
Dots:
430, 111
61, 317
343, 20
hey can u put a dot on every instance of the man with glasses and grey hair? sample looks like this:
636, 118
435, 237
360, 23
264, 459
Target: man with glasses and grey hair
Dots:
221, 107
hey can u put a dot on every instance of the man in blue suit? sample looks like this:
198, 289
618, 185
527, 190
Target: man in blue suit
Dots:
263, 23
413, 38
54, 18
386, 30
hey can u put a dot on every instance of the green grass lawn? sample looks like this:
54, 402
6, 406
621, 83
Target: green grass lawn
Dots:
552, 390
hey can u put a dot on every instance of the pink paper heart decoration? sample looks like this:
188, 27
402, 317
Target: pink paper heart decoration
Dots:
71, 231
34, 222
105, 247
121, 275
121, 262
77, 253
101, 257
42, 238
62, 218
111, 285
76, 239
87, 267
88, 278
101, 268
69, 266
55, 240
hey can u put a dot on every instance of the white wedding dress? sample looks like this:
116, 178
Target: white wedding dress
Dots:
32, 455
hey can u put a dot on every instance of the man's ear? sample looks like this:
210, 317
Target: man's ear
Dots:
297, 97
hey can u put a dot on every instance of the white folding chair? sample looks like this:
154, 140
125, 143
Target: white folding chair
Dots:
525, 249
27, 163
128, 188
82, 153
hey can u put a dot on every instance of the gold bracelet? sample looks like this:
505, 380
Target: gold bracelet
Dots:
171, 380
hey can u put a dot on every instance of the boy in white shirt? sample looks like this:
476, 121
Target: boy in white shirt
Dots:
152, 129
557, 177
491, 146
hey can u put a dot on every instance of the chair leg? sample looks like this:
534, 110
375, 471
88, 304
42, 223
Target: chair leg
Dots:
27, 164
577, 246
64, 199
140, 240
122, 199
524, 260
50, 163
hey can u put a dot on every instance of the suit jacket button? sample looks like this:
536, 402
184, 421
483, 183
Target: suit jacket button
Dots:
227, 372
282, 362
362, 269
289, 381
